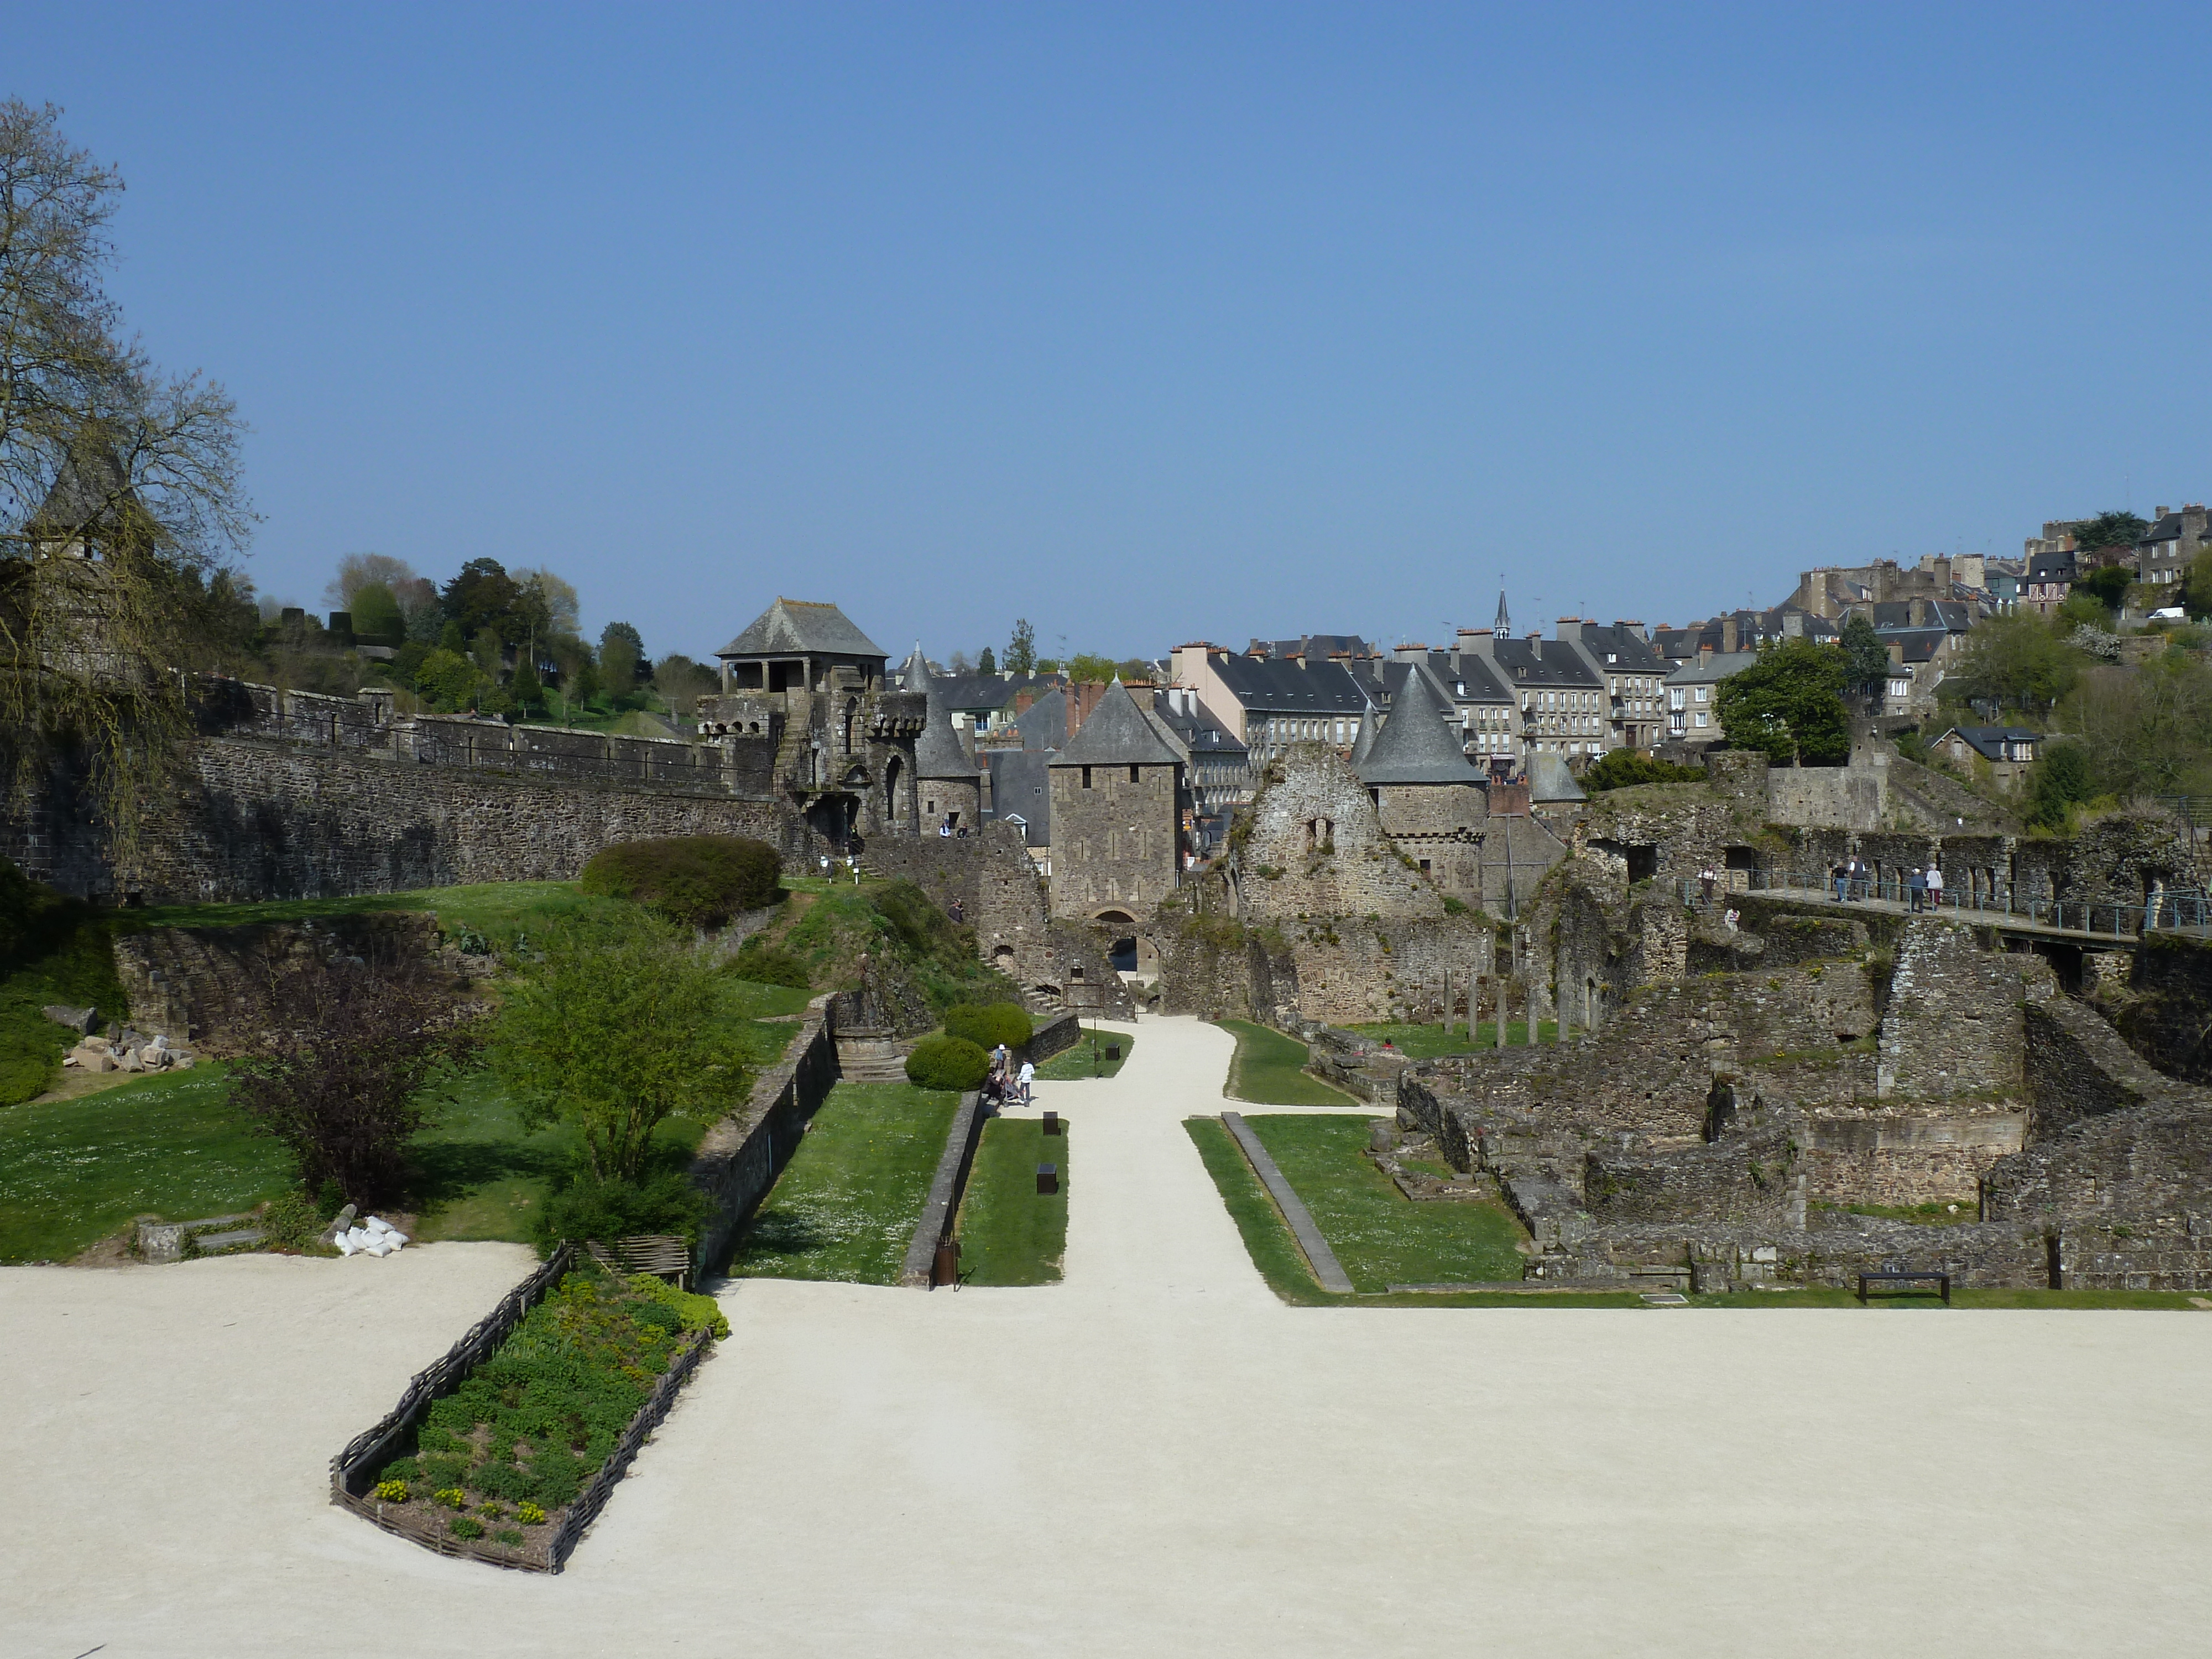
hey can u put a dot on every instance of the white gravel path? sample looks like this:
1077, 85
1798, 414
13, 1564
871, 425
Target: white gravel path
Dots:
1153, 1458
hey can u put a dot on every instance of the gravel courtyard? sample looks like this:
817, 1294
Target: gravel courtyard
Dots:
1154, 1457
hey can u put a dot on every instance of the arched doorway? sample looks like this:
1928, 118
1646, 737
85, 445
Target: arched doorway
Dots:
894, 809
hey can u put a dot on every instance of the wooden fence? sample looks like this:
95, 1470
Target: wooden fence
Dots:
353, 1469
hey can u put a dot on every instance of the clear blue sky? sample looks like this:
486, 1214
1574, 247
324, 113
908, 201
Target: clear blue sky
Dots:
1157, 323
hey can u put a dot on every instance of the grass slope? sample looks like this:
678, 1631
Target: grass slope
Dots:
847, 1205
1087, 1058
74, 1171
497, 910
1010, 1232
1268, 1070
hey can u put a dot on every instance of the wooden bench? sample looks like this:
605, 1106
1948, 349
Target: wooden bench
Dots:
1941, 1280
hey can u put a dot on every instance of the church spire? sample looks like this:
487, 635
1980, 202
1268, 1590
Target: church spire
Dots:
1503, 625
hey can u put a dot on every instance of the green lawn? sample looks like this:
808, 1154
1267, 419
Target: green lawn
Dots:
1087, 1058
1382, 1236
1010, 1232
1268, 1070
1426, 1042
750, 1001
74, 1171
847, 1203
1275, 1254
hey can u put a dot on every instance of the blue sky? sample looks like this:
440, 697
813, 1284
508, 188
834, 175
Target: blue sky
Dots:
1160, 323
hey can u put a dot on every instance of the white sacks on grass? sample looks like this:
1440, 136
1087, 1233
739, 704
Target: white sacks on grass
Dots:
375, 1236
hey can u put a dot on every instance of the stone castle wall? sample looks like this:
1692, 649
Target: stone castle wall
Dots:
1113, 841
1317, 850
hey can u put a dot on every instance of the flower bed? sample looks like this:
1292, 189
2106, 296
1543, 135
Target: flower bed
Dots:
515, 1461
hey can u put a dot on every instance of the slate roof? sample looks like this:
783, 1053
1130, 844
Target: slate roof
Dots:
1713, 669
937, 752
1918, 644
1415, 745
1313, 646
797, 628
1044, 723
1956, 617
1202, 731
1270, 686
86, 493
1631, 652
1021, 788
1520, 664
1549, 780
2051, 568
1116, 733
1989, 741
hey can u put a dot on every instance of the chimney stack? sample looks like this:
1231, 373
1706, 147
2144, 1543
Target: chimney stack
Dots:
1728, 634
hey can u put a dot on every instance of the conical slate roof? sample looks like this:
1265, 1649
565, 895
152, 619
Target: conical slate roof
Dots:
1504, 622
798, 628
1415, 745
937, 752
1117, 735
1549, 780
1366, 740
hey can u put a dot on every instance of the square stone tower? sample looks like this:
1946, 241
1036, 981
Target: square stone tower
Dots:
1117, 799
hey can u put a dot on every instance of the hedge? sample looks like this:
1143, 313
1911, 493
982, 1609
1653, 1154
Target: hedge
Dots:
696, 881
946, 1062
988, 1024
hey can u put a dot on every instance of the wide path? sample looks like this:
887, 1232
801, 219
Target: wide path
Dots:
1153, 1458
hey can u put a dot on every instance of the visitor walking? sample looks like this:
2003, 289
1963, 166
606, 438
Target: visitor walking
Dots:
1859, 876
1935, 887
1028, 1076
1840, 874
1916, 889
1705, 880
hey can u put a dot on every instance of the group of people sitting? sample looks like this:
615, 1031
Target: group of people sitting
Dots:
1002, 1084
1923, 887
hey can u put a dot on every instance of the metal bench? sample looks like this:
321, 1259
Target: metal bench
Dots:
1941, 1280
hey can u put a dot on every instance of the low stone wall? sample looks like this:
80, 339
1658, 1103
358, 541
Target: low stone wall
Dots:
2158, 1253
1055, 1036
740, 1156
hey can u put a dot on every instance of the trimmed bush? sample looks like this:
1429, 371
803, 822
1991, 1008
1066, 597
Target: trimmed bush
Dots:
768, 964
988, 1024
946, 1062
696, 881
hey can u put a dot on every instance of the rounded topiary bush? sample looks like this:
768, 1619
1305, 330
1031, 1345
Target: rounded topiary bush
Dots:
946, 1062
698, 881
988, 1024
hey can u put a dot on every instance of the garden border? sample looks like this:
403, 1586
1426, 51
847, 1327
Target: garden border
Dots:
352, 1466
942, 1207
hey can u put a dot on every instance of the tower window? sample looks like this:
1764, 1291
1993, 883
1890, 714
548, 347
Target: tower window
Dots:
1086, 777
1132, 775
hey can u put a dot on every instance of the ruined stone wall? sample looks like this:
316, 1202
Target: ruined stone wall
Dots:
1217, 969
1355, 970
1954, 1023
1317, 850
1847, 797
2156, 1253
2166, 1012
1743, 1179
219, 987
992, 877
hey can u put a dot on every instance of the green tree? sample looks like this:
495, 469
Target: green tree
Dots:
1866, 659
448, 679
1085, 666
614, 1029
2148, 729
1789, 704
2113, 529
482, 595
488, 651
2014, 661
524, 688
986, 663
358, 570
621, 651
2196, 591
2108, 585
2062, 778
1021, 649
376, 616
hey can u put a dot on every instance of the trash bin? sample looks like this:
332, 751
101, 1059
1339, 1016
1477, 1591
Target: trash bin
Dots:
1048, 1177
945, 1270
1052, 1123
1113, 1051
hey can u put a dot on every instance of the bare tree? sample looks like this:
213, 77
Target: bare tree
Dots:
120, 493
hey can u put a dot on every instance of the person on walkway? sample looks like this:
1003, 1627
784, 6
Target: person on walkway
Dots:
1028, 1076
1916, 889
945, 827
1840, 874
1935, 882
1002, 1062
1705, 880
1859, 876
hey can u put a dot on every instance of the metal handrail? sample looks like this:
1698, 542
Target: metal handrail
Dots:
2188, 909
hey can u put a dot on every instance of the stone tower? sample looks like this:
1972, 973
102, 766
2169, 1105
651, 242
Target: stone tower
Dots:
1117, 799
950, 787
1430, 801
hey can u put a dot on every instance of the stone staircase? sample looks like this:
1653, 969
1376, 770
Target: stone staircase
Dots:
870, 1057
